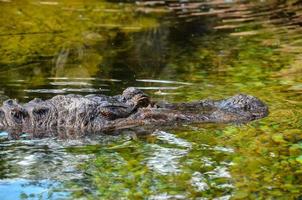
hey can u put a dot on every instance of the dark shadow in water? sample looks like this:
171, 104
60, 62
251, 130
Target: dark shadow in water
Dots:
125, 57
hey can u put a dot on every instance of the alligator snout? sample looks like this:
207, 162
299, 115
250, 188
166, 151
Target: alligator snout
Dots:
247, 104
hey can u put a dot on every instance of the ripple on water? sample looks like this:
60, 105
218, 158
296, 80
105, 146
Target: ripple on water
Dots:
85, 78
66, 90
166, 196
165, 160
163, 81
77, 83
199, 181
40, 159
171, 139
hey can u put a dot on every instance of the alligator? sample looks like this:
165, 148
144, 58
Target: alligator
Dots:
97, 113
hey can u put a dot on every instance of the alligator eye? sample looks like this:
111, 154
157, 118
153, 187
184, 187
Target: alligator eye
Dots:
246, 107
143, 101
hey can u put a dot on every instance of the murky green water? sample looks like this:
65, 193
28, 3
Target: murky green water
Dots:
184, 53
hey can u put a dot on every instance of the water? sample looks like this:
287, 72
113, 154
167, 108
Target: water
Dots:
175, 52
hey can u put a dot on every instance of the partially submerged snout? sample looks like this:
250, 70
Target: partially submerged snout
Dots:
245, 105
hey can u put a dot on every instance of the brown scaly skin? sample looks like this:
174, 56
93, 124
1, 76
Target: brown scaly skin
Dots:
100, 113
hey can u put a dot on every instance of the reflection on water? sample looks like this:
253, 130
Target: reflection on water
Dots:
175, 51
166, 159
39, 159
25, 189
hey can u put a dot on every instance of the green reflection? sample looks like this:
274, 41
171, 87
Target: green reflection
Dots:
33, 29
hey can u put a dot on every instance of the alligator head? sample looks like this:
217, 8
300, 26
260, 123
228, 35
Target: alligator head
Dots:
246, 107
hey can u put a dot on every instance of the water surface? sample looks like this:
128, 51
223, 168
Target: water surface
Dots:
174, 52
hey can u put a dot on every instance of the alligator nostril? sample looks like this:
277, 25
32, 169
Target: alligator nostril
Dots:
246, 107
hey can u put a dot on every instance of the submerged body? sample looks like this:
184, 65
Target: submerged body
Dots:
100, 113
